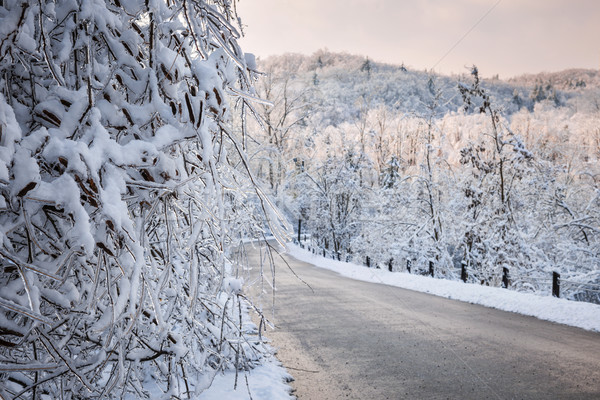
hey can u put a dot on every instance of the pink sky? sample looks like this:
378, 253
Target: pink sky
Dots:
518, 36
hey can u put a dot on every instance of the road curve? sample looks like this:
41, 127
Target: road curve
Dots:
348, 339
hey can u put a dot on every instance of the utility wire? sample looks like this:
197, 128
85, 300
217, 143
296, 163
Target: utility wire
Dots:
467, 33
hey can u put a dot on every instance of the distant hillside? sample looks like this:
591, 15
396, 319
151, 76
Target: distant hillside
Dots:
344, 82
570, 79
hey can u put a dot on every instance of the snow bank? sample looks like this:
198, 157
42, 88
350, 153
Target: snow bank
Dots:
578, 314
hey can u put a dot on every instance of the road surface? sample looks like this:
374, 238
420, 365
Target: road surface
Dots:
347, 339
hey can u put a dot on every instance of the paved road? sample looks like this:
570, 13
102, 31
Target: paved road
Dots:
358, 340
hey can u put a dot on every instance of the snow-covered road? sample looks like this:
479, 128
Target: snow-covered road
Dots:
352, 339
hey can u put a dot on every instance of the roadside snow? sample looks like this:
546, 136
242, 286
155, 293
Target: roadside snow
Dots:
265, 382
578, 314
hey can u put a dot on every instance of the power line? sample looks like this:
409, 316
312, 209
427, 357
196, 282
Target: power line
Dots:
467, 33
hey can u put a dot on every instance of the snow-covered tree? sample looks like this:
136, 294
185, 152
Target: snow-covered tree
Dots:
122, 188
496, 163
285, 113
335, 197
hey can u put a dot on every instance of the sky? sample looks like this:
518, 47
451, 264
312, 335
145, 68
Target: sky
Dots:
514, 37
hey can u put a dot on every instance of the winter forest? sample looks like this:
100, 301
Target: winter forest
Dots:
140, 147
396, 168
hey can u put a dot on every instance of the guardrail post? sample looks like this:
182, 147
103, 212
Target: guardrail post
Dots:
390, 264
463, 271
555, 284
368, 262
431, 268
505, 277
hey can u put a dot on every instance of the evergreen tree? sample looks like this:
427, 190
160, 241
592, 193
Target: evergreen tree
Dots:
366, 67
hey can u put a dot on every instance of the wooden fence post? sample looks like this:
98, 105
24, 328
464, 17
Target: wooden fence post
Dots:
505, 277
368, 262
555, 284
390, 264
431, 268
463, 271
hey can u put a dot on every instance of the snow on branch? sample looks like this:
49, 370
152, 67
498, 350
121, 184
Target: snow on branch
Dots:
120, 195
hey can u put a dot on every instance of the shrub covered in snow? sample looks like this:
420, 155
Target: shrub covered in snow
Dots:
121, 189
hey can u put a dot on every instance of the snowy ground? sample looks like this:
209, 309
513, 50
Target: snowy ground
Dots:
266, 382
578, 314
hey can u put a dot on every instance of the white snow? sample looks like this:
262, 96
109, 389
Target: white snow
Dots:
265, 382
250, 60
577, 314
233, 285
